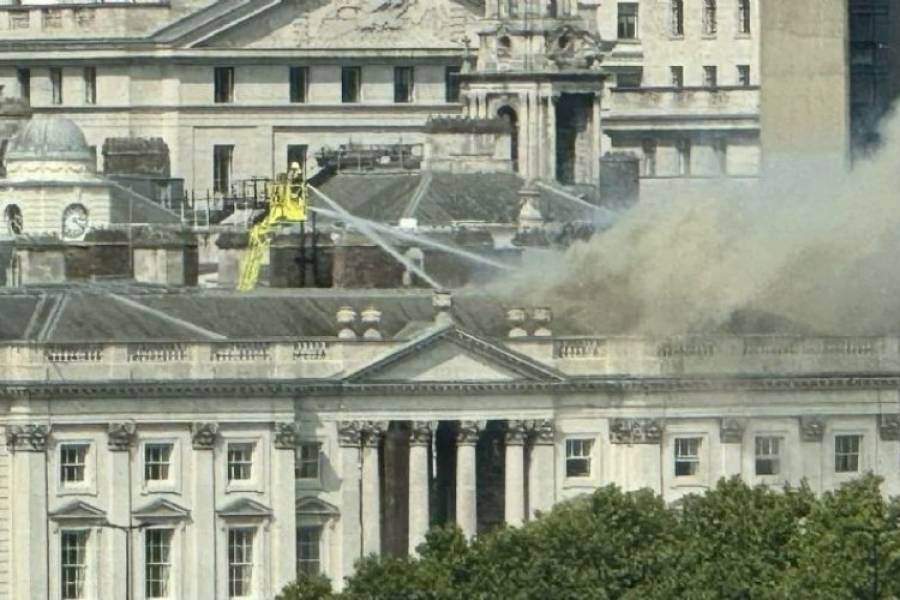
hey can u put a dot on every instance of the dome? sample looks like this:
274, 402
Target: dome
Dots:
54, 139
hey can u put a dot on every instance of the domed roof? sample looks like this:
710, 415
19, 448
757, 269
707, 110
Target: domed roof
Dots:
53, 139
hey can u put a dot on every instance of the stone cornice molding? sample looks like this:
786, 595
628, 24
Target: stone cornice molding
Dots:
120, 435
204, 435
636, 431
421, 431
285, 435
27, 437
469, 432
889, 427
731, 431
812, 428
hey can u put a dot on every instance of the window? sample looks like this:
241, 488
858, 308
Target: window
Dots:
240, 562
72, 459
90, 85
240, 462
677, 17
578, 458
744, 17
629, 80
709, 17
23, 76
56, 83
451, 76
743, 75
309, 560
12, 214
687, 457
222, 159
683, 147
296, 153
299, 84
677, 77
73, 560
649, 151
158, 562
846, 453
351, 83
710, 76
768, 455
628, 21
224, 85
404, 82
157, 459
307, 464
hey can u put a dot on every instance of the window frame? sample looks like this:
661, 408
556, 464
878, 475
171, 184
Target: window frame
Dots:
676, 9
222, 183
585, 456
300, 461
692, 460
744, 18
168, 565
404, 91
298, 84
173, 472
710, 18
744, 76
319, 550
452, 87
223, 85
711, 77
249, 464
57, 97
89, 76
848, 454
82, 568
677, 70
247, 561
649, 152
627, 28
23, 79
346, 96
768, 448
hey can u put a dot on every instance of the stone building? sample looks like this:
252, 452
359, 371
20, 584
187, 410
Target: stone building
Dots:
211, 445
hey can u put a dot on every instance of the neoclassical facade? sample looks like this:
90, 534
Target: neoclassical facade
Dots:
202, 462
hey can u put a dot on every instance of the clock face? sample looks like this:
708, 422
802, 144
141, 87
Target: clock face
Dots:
75, 222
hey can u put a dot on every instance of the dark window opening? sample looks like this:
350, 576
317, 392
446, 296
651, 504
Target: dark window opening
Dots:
628, 21
56, 83
510, 116
224, 85
404, 82
90, 85
299, 84
351, 84
23, 76
222, 165
452, 84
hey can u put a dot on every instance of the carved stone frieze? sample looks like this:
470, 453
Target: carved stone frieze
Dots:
889, 427
635, 431
517, 432
812, 428
421, 431
469, 431
29, 437
120, 435
286, 435
204, 434
542, 431
731, 431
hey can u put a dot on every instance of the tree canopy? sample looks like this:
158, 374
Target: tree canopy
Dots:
734, 541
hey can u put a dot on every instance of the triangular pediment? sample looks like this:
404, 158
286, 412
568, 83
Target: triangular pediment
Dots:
349, 24
78, 511
450, 354
161, 510
244, 508
315, 507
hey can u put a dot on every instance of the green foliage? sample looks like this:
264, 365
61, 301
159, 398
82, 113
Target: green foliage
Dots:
733, 542
307, 587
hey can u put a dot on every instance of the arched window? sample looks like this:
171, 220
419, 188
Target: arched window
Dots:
12, 215
504, 46
508, 114
744, 16
709, 17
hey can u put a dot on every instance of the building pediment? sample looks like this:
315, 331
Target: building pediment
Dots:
244, 508
78, 512
312, 506
348, 24
451, 354
161, 510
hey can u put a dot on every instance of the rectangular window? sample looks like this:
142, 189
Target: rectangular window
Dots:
677, 17
296, 153
158, 562
240, 562
649, 151
629, 80
90, 85
222, 161
710, 24
404, 84
23, 76
846, 453
628, 21
683, 147
240, 462
710, 76
578, 458
768, 455
687, 457
224, 85
72, 460
56, 84
73, 561
351, 84
307, 461
309, 540
156, 462
299, 84
743, 75
744, 17
677, 74
451, 77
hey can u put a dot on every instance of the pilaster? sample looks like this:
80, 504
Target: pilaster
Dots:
373, 431
204, 436
731, 438
120, 441
542, 468
350, 440
812, 433
419, 501
284, 522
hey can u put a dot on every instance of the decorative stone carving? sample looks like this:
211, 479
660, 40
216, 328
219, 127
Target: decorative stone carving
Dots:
731, 431
27, 438
286, 435
373, 432
812, 428
371, 320
542, 431
346, 317
542, 318
635, 431
420, 432
469, 431
350, 433
516, 318
517, 432
570, 48
203, 435
889, 427
120, 435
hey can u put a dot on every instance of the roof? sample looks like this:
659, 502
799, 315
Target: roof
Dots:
49, 139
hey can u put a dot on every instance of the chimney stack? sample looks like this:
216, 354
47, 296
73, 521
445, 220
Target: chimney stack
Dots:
542, 317
516, 318
371, 320
442, 302
346, 318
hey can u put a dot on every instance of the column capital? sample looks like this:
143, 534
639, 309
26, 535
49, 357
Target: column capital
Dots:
28, 437
731, 431
636, 431
120, 435
373, 431
420, 432
542, 431
204, 434
812, 428
285, 435
517, 432
889, 427
469, 431
349, 433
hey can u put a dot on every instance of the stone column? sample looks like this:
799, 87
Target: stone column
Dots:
514, 489
350, 440
526, 139
284, 511
596, 138
551, 140
419, 501
887, 452
731, 437
812, 431
120, 441
466, 476
373, 431
542, 468
203, 516
29, 546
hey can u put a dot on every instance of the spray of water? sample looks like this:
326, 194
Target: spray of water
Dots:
813, 253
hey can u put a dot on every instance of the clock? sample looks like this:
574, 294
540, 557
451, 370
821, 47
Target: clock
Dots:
75, 222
